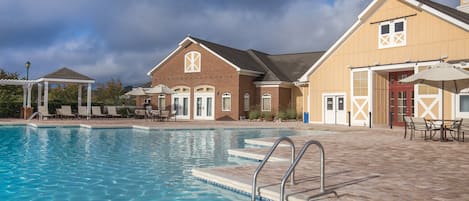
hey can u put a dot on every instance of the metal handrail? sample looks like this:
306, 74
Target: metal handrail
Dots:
259, 168
297, 160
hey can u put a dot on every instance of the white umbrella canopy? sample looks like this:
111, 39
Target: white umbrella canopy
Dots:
160, 89
443, 75
136, 92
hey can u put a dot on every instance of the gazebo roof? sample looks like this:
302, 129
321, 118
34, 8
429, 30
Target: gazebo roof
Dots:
66, 75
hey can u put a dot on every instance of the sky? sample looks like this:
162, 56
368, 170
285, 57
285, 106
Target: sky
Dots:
124, 39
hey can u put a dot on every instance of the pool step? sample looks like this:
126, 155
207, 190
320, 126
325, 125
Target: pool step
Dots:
254, 154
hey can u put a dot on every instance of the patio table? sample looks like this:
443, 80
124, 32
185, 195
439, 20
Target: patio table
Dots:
442, 125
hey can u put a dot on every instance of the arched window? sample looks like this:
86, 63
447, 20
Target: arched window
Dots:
226, 102
192, 62
246, 102
266, 101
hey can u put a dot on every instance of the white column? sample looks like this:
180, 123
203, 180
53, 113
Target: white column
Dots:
370, 96
88, 100
79, 94
46, 96
30, 86
24, 95
39, 95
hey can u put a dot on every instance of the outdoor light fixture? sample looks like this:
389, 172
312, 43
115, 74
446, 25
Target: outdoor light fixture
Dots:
27, 64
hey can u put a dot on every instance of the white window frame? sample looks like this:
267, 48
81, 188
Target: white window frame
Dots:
247, 100
266, 96
224, 97
189, 67
161, 100
392, 33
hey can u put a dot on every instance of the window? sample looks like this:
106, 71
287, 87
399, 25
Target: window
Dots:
192, 62
246, 102
226, 102
162, 102
360, 83
266, 101
392, 33
464, 103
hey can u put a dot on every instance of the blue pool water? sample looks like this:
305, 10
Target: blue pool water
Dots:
116, 164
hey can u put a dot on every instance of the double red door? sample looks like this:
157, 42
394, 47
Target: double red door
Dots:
401, 97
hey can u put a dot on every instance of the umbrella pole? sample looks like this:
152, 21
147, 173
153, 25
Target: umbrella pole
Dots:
442, 109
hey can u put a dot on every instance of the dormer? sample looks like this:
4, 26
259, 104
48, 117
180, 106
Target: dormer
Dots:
464, 6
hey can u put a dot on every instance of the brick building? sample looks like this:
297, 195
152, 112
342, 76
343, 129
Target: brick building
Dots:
216, 82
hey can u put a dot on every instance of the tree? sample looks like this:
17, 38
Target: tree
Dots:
109, 93
11, 97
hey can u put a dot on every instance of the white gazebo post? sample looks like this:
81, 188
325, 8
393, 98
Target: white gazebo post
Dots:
46, 96
79, 95
30, 86
25, 92
39, 95
88, 101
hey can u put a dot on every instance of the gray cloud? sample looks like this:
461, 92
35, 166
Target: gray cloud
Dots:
124, 39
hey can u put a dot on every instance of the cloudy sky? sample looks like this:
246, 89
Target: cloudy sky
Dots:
124, 39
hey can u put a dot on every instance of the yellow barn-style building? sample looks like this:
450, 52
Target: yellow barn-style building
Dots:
356, 80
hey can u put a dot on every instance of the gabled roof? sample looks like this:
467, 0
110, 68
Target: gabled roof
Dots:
285, 67
66, 75
449, 14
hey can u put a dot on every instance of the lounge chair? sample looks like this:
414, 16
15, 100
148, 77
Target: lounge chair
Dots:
112, 112
153, 114
96, 112
82, 112
140, 113
464, 127
44, 113
65, 112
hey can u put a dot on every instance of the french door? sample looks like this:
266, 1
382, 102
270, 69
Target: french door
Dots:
334, 109
204, 106
181, 104
401, 97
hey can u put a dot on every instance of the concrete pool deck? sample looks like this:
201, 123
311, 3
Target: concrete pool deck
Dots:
361, 163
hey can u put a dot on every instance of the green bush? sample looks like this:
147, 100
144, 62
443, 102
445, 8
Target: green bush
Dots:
282, 115
254, 114
291, 114
267, 116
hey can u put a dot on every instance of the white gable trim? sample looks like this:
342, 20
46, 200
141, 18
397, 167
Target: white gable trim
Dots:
367, 13
188, 39
439, 14
361, 18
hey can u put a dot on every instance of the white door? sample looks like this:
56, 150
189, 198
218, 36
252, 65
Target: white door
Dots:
180, 103
204, 106
334, 109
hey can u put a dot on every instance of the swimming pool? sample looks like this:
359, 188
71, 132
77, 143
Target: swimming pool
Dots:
117, 164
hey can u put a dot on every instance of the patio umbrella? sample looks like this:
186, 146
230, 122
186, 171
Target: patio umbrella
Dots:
444, 76
160, 89
136, 92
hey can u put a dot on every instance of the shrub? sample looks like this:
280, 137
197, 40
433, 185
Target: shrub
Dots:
291, 114
282, 115
267, 116
254, 114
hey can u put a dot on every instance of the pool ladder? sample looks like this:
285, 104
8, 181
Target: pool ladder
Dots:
291, 170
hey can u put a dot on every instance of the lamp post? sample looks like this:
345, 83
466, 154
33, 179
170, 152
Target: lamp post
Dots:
27, 64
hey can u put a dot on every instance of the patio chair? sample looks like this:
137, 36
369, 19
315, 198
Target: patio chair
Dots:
65, 112
455, 128
422, 125
82, 111
409, 125
464, 127
164, 114
153, 114
43, 112
96, 112
112, 112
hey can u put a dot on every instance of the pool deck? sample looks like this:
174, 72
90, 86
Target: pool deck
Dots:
361, 163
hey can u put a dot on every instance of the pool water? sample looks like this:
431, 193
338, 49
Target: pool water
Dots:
117, 164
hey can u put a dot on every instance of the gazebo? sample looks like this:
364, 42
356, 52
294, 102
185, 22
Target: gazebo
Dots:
64, 75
